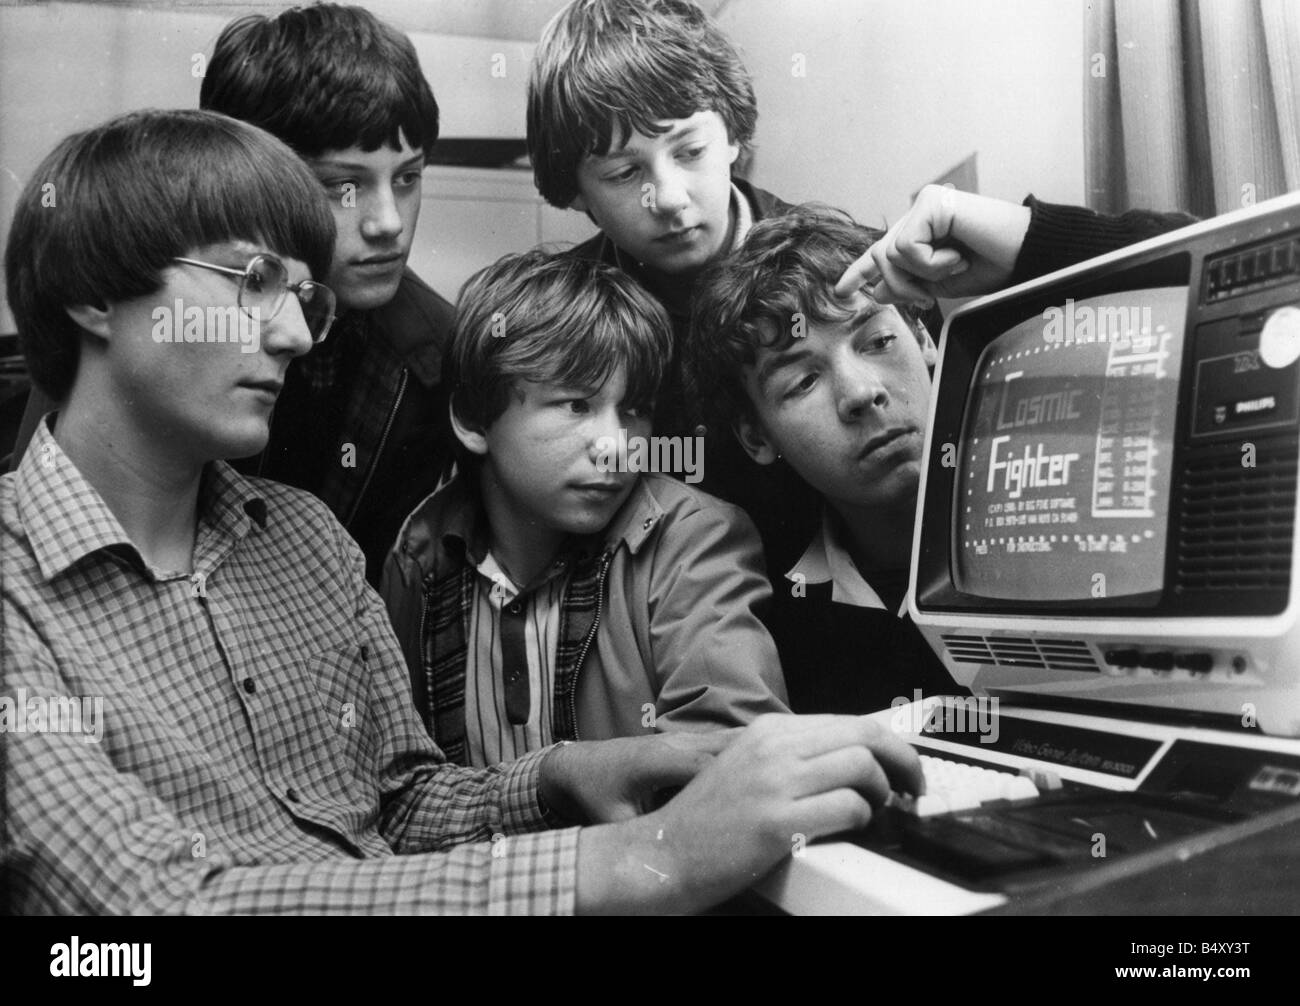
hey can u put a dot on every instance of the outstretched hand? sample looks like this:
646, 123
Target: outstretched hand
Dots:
949, 244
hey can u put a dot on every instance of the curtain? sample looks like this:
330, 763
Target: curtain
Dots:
1191, 105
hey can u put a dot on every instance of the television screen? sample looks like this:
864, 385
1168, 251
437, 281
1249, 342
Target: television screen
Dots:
1064, 467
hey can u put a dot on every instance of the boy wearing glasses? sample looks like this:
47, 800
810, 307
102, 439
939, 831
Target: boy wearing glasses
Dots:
257, 749
263, 289
362, 421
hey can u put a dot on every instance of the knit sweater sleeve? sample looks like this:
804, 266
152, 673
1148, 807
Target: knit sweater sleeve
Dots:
1060, 236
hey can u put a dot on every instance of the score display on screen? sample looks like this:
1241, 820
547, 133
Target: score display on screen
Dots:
1064, 472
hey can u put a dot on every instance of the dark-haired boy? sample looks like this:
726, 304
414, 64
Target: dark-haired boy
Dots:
843, 399
551, 590
253, 747
637, 110
362, 420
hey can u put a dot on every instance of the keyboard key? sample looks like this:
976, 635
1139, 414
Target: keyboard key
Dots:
930, 805
952, 786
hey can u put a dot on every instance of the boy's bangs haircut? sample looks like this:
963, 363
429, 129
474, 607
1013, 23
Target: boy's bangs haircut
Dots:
109, 208
322, 78
564, 320
605, 69
783, 275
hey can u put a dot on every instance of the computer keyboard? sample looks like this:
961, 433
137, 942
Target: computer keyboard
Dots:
985, 825
954, 785
1107, 790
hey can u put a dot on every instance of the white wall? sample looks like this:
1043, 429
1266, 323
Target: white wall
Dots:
895, 93
65, 67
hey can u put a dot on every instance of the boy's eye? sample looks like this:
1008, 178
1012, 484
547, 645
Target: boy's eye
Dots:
625, 175
693, 153
578, 406
881, 340
802, 386
408, 179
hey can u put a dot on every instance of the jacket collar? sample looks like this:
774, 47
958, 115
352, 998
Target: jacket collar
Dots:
413, 329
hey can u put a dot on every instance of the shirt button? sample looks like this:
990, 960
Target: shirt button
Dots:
291, 795
515, 608
250, 685
648, 522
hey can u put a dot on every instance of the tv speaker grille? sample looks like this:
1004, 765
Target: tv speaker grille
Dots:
1237, 520
1021, 651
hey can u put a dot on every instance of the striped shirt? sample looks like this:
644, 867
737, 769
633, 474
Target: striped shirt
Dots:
510, 665
259, 750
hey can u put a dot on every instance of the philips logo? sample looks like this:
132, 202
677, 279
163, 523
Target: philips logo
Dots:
1255, 405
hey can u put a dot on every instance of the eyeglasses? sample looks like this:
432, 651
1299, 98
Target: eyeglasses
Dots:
263, 286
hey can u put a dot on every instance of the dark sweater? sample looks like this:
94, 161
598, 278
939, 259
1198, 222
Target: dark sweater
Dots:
386, 402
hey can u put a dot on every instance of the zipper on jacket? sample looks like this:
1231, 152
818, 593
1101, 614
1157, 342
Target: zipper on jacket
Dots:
374, 462
586, 645
424, 665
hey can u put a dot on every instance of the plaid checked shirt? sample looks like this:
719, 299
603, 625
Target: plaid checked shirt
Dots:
260, 752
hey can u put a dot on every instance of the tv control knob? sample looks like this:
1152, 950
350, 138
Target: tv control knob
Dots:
1279, 341
1197, 663
1161, 661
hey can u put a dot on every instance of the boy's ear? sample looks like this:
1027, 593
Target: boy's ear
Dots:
754, 439
929, 351
473, 440
92, 318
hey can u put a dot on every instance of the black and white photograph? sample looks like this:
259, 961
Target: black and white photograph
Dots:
651, 457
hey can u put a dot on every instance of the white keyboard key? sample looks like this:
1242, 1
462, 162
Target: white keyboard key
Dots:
930, 805
1022, 788
952, 786
962, 799
1044, 779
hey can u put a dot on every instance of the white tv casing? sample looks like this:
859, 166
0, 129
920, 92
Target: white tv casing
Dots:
1266, 691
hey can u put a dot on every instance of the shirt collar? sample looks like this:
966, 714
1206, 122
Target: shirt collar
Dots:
826, 559
67, 519
744, 217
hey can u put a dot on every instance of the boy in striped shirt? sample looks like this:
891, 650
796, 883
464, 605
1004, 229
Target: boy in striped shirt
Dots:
555, 589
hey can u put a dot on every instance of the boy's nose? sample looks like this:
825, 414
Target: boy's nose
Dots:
381, 220
670, 195
287, 332
859, 390
603, 429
